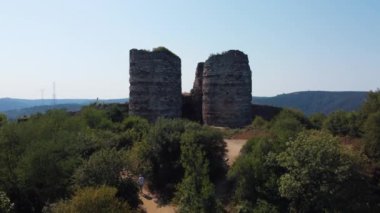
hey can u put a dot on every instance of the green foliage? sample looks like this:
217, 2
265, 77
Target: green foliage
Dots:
133, 129
195, 193
6, 206
114, 113
255, 174
91, 199
371, 127
164, 154
96, 118
158, 156
212, 144
288, 124
38, 157
372, 104
264, 207
337, 123
260, 123
316, 172
317, 120
102, 168
343, 123
372, 136
3, 119
163, 49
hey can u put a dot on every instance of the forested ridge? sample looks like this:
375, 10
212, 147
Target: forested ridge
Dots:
89, 161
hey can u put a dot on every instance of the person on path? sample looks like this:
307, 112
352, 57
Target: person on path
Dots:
140, 182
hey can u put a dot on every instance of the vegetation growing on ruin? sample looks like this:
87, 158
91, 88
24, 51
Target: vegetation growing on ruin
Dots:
163, 49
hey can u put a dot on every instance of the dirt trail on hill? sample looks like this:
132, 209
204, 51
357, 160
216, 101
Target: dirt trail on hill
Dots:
151, 206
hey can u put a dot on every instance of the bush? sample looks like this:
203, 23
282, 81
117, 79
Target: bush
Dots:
95, 118
163, 156
260, 123
90, 200
317, 120
102, 168
288, 124
317, 173
372, 136
6, 205
3, 119
255, 174
195, 193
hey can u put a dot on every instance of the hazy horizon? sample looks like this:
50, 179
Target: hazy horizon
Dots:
84, 46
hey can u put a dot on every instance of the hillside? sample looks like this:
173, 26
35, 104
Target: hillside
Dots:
7, 104
311, 102
15, 108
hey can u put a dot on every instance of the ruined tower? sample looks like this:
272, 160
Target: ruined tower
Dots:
227, 88
197, 93
155, 84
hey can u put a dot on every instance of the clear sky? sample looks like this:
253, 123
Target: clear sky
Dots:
83, 45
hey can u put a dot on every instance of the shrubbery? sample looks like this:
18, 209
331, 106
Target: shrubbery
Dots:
91, 199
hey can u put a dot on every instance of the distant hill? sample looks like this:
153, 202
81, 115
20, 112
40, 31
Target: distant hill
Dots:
17, 113
311, 102
13, 103
15, 108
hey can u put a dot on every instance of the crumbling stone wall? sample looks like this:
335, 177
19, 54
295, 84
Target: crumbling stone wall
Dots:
155, 84
197, 93
227, 88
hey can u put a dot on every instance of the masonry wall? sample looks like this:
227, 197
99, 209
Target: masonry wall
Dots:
155, 84
227, 88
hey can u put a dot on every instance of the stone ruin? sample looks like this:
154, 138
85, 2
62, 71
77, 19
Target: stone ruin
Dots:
221, 94
227, 90
155, 84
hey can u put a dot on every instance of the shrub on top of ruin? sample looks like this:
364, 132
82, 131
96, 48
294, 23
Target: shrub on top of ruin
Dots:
163, 49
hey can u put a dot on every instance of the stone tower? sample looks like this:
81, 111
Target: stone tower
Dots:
155, 84
197, 93
227, 88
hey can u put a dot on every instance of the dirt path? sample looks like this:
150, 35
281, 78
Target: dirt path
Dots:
151, 206
233, 150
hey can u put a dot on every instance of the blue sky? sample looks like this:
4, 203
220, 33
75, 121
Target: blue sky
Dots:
84, 45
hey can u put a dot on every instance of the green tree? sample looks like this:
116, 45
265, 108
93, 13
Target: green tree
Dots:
255, 175
372, 136
6, 205
317, 173
104, 168
196, 192
96, 118
288, 124
317, 120
337, 123
260, 123
372, 104
3, 119
91, 199
163, 153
